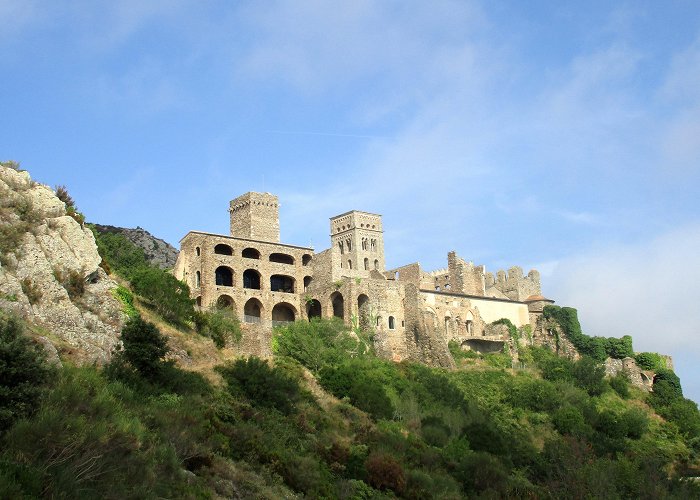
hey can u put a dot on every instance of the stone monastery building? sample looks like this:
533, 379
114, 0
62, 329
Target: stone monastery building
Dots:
414, 312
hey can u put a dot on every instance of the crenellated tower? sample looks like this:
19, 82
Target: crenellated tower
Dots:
255, 216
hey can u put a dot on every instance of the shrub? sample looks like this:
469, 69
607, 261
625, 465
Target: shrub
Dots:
569, 420
666, 375
221, 325
32, 291
263, 385
23, 373
125, 296
144, 348
650, 361
168, 296
385, 472
120, 254
73, 282
597, 348
589, 375
316, 343
62, 194
621, 384
10, 164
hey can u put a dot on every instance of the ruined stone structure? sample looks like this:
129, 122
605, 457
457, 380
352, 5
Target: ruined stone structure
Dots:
414, 313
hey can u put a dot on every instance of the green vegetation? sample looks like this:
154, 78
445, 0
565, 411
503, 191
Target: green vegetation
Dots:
23, 373
221, 325
159, 289
597, 348
142, 427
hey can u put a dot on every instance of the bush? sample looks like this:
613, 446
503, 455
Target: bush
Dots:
62, 194
72, 281
669, 376
32, 292
144, 348
168, 296
597, 348
221, 325
263, 385
650, 361
621, 384
570, 420
385, 472
23, 373
125, 296
317, 343
589, 375
121, 255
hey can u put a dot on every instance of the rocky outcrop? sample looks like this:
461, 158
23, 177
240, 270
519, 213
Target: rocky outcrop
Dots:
49, 269
158, 252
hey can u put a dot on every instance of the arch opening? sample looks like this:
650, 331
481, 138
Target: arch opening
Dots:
392, 324
225, 302
252, 311
313, 309
364, 310
224, 276
281, 283
250, 253
307, 282
338, 305
283, 314
305, 259
251, 279
222, 249
281, 258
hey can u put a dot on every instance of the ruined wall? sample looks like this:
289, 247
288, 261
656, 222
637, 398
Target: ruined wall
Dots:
513, 284
465, 277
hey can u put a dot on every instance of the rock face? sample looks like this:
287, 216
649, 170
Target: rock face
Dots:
158, 252
49, 269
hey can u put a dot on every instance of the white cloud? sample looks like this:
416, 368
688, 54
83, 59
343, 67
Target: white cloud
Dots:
648, 290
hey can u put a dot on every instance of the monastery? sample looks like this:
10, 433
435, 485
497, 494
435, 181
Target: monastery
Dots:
414, 313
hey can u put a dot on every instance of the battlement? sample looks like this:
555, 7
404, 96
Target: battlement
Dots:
514, 284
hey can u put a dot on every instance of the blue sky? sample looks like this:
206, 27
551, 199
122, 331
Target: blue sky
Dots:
558, 135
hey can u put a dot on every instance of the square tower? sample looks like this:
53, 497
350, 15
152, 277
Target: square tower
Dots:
357, 240
255, 216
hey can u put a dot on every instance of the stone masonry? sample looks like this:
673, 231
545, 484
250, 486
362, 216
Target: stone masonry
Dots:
414, 313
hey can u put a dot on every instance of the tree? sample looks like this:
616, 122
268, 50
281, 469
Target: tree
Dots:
169, 296
144, 347
23, 372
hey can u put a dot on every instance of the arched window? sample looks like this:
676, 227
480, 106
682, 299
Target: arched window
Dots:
391, 323
281, 258
366, 264
252, 311
376, 264
379, 321
349, 264
313, 309
224, 276
250, 253
222, 249
338, 305
341, 247
197, 279
305, 259
282, 314
364, 243
251, 279
224, 302
281, 283
307, 282
198, 251
349, 242
198, 301
373, 245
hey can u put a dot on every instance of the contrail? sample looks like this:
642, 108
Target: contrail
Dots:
289, 132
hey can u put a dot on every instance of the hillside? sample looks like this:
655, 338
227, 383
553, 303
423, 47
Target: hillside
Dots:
158, 252
180, 412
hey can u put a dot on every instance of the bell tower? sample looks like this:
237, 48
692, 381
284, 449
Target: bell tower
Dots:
357, 240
